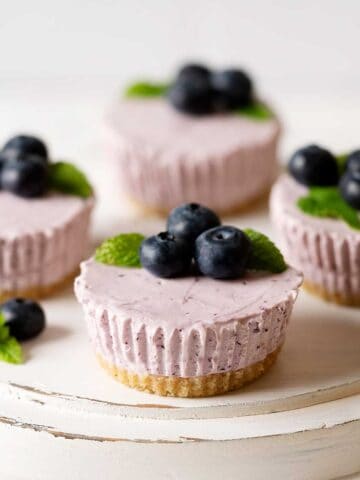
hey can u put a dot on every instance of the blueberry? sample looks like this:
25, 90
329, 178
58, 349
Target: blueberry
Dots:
190, 220
3, 159
221, 103
193, 71
5, 156
26, 176
25, 318
353, 164
222, 252
233, 88
192, 95
314, 166
26, 144
165, 256
350, 189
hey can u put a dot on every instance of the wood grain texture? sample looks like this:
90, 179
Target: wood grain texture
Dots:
70, 420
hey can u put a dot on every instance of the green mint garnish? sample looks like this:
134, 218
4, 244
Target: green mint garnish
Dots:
341, 161
327, 202
257, 111
10, 349
146, 89
4, 330
122, 250
66, 178
265, 255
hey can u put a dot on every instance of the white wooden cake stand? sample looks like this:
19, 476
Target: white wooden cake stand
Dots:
63, 417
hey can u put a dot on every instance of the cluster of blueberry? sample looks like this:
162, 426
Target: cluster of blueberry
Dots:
25, 318
24, 166
199, 91
316, 166
195, 238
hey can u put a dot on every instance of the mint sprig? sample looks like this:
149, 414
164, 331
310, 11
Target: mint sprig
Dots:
4, 329
64, 177
122, 250
146, 89
341, 161
327, 202
264, 255
10, 349
256, 111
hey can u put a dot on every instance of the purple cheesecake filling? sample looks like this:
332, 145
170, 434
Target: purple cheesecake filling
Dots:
327, 250
42, 240
166, 158
188, 326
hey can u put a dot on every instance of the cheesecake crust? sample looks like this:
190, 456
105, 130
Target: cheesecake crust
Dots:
339, 298
39, 291
192, 387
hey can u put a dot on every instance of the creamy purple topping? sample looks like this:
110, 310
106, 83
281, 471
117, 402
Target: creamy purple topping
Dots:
285, 195
156, 123
26, 216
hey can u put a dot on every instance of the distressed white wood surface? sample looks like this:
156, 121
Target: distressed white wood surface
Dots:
320, 362
61, 416
305, 412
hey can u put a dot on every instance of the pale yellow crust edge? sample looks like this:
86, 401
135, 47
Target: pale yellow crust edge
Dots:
318, 291
247, 206
39, 291
202, 386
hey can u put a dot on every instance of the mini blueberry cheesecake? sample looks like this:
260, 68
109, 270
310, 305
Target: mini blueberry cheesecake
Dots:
316, 209
45, 210
205, 137
197, 310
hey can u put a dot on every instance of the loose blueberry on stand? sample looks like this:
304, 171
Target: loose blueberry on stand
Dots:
353, 164
314, 166
192, 95
232, 87
193, 71
26, 144
25, 318
165, 256
350, 190
188, 221
26, 176
222, 252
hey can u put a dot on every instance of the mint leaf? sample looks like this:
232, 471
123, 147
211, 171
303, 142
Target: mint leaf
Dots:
341, 161
146, 89
122, 250
10, 351
66, 178
257, 111
4, 330
327, 202
265, 255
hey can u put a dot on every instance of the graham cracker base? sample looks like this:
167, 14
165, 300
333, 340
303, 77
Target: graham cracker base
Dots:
202, 386
340, 299
39, 291
253, 203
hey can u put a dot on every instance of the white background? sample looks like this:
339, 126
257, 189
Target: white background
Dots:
62, 62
